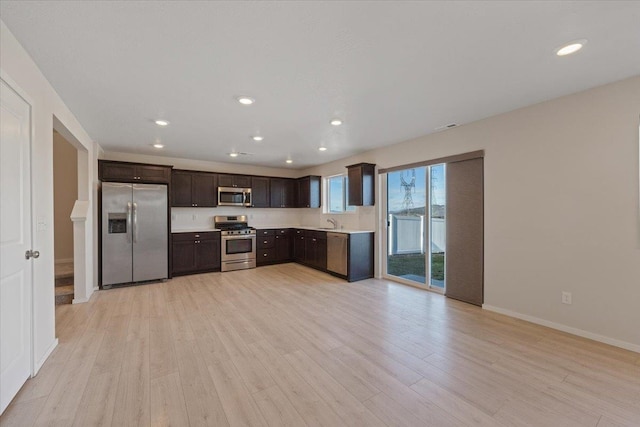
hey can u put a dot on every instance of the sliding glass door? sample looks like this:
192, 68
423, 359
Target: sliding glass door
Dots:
416, 226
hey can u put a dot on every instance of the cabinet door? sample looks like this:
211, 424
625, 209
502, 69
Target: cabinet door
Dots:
260, 192
309, 195
299, 248
204, 190
242, 181
303, 192
361, 184
355, 186
265, 256
283, 247
276, 189
225, 180
207, 254
154, 174
321, 254
114, 171
181, 189
289, 197
183, 256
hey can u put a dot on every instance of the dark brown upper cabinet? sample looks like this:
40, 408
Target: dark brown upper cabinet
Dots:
260, 192
362, 187
282, 193
240, 181
193, 189
133, 172
309, 193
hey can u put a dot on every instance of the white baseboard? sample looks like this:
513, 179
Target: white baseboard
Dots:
80, 300
64, 261
39, 364
565, 328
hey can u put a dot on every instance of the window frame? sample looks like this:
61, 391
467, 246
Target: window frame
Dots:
326, 182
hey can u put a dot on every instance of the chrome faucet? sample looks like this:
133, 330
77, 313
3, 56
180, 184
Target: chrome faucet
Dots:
333, 222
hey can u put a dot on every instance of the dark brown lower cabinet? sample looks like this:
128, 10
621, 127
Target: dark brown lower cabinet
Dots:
195, 252
299, 250
273, 246
316, 249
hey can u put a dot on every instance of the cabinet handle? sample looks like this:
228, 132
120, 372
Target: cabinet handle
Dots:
265, 242
264, 254
197, 235
314, 240
195, 204
277, 237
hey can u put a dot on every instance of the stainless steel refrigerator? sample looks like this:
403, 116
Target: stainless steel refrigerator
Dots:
134, 233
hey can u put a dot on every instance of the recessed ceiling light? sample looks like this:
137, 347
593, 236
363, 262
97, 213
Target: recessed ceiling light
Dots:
289, 161
571, 47
158, 145
162, 122
245, 100
257, 138
336, 122
322, 148
233, 154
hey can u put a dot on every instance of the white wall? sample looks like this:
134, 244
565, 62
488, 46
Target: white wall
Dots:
18, 66
65, 193
554, 172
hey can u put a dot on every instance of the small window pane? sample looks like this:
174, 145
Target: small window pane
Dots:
336, 197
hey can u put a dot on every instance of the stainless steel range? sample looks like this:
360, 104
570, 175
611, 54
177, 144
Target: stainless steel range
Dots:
238, 242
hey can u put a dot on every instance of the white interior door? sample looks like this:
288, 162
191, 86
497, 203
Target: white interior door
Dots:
15, 240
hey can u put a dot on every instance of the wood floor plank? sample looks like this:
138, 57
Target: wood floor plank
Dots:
167, 402
287, 345
276, 408
337, 397
307, 402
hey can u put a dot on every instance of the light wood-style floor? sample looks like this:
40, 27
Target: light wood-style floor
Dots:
286, 345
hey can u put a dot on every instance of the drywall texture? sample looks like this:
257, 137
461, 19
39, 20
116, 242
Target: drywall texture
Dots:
19, 68
561, 206
65, 194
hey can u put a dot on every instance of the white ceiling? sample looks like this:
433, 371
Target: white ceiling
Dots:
391, 70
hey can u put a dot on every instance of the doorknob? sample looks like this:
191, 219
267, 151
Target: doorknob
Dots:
31, 254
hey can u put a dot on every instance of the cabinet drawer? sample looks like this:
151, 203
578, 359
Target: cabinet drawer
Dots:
204, 235
283, 232
265, 242
315, 234
260, 233
265, 255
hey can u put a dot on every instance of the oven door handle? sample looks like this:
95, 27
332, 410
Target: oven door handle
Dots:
239, 237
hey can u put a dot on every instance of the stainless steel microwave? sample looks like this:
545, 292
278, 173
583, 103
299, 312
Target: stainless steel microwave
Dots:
232, 196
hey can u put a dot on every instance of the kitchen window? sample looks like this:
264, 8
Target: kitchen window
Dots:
336, 190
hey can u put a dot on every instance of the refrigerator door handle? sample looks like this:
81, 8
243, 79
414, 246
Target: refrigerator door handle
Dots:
135, 222
129, 230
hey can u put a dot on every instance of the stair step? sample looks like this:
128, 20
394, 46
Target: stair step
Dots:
64, 280
64, 294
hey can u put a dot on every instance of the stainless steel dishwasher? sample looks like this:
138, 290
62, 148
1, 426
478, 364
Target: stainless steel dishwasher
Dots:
337, 252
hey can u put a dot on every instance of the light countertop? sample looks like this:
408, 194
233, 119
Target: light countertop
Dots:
262, 227
306, 227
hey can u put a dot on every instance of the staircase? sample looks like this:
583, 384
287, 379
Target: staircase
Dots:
64, 283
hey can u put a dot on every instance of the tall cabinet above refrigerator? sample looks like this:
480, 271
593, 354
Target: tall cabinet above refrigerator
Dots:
134, 233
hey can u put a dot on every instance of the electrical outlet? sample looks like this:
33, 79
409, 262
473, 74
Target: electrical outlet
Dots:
173, 217
195, 217
566, 297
